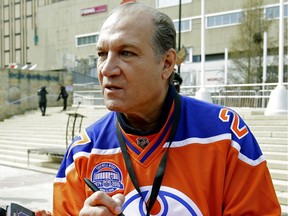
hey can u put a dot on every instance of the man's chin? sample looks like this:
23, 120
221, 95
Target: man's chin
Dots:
112, 106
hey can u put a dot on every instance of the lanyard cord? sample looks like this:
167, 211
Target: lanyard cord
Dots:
162, 165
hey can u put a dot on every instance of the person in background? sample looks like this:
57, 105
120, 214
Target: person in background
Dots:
158, 152
177, 81
64, 95
42, 99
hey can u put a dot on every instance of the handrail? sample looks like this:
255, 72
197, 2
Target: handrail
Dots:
227, 95
19, 106
25, 98
236, 85
17, 101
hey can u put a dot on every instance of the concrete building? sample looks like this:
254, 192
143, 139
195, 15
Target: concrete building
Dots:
17, 19
56, 35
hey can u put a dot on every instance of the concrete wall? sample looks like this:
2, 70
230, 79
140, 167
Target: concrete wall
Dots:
18, 89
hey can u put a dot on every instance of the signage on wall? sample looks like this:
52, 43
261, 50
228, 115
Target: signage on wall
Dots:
125, 1
93, 10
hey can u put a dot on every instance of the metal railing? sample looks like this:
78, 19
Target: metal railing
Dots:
234, 95
20, 106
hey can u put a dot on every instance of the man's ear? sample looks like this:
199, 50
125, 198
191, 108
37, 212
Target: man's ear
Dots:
169, 63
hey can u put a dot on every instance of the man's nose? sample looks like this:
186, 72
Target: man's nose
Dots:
110, 66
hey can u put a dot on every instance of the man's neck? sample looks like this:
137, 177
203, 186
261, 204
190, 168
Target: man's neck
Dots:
146, 123
152, 121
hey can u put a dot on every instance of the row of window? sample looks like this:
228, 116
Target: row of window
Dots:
273, 12
86, 40
235, 18
186, 24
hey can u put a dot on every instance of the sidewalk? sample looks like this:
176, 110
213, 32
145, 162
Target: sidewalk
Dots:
31, 189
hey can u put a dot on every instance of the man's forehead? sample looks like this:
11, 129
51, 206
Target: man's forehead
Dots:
128, 17
117, 38
125, 26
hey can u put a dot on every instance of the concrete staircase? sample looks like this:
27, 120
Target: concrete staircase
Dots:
271, 133
35, 131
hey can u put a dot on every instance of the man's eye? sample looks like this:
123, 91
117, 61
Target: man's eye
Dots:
126, 53
102, 54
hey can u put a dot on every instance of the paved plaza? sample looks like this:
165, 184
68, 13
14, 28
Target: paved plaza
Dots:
31, 189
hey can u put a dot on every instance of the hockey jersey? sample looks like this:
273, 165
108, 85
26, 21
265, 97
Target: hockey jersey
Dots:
214, 166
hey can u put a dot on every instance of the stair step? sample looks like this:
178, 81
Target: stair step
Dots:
267, 128
280, 185
282, 197
40, 140
274, 147
278, 164
41, 160
276, 155
21, 159
33, 144
274, 134
272, 140
279, 174
284, 209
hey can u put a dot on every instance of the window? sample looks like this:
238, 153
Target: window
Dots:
167, 3
186, 25
224, 20
273, 12
86, 40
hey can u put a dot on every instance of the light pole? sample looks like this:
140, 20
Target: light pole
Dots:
179, 31
277, 104
202, 93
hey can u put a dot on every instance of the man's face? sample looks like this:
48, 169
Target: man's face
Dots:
128, 71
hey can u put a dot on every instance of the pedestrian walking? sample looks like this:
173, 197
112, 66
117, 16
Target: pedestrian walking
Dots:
42, 99
64, 95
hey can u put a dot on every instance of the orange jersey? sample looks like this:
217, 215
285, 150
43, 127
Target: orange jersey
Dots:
214, 167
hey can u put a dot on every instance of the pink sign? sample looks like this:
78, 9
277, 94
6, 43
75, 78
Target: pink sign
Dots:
93, 10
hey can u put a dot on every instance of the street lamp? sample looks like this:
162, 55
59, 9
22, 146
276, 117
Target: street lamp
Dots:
179, 32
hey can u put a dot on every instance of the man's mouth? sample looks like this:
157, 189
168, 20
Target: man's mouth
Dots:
112, 87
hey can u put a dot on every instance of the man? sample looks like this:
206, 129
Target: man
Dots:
42, 99
177, 81
165, 154
64, 95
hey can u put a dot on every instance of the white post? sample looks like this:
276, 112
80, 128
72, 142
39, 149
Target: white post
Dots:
226, 67
281, 42
264, 72
278, 99
203, 38
202, 93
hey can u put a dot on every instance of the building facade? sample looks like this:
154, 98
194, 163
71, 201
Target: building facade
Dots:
17, 18
56, 35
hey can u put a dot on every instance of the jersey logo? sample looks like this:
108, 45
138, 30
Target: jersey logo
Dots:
142, 141
107, 177
167, 200
225, 115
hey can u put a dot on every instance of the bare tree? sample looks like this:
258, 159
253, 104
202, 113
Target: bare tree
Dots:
247, 47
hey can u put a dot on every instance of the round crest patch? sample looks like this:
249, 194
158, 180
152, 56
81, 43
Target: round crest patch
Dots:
107, 177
